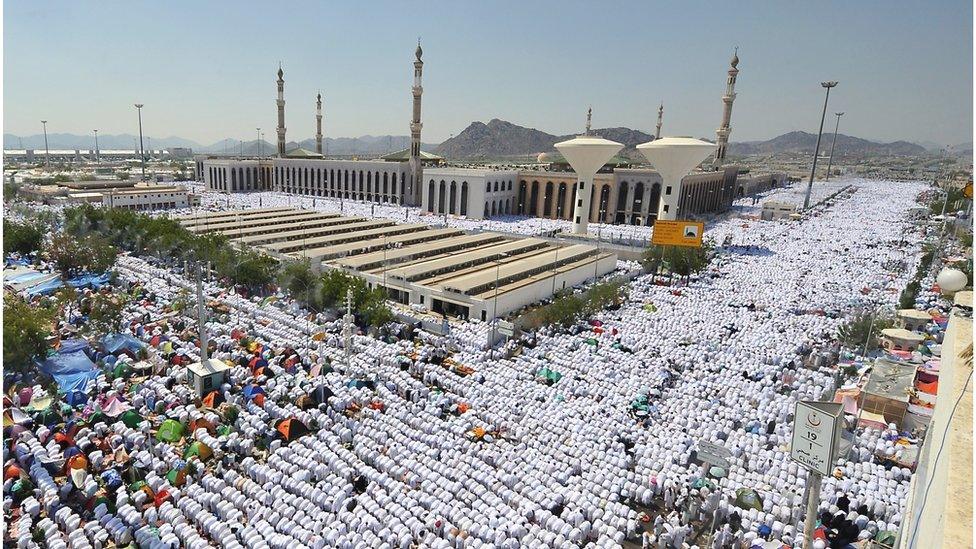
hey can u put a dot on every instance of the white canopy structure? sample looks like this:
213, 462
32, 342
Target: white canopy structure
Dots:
673, 158
586, 154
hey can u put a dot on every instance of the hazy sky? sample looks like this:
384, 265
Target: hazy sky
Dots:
206, 70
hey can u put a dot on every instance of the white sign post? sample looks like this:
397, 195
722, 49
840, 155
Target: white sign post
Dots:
817, 427
713, 454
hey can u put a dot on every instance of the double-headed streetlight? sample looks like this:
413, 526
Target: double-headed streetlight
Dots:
96, 146
142, 153
47, 152
830, 161
260, 145
827, 85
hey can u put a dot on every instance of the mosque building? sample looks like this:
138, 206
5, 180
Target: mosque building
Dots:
622, 192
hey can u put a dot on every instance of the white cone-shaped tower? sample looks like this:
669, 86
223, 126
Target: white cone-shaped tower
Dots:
673, 158
586, 154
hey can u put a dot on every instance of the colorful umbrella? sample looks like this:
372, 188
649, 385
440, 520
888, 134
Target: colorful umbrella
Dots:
170, 431
291, 429
198, 449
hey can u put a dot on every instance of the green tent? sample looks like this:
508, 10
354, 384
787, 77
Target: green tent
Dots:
131, 419
747, 498
198, 449
176, 477
703, 482
98, 417
549, 375
650, 307
122, 370
591, 341
48, 417
170, 431
886, 537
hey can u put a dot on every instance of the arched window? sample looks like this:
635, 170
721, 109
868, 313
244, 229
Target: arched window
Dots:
520, 203
430, 196
464, 198
534, 198
638, 203
233, 179
604, 202
547, 203
655, 203
487, 210
508, 207
451, 206
621, 203
487, 187
442, 188
386, 186
560, 200
493, 208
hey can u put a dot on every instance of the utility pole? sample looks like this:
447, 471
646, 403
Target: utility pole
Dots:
47, 152
97, 159
260, 145
142, 153
347, 323
813, 502
830, 162
202, 317
827, 85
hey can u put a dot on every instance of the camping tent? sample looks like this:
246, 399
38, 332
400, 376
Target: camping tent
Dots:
291, 429
114, 343
170, 431
747, 498
72, 369
198, 449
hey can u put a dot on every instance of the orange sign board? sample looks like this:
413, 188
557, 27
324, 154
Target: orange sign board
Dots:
678, 233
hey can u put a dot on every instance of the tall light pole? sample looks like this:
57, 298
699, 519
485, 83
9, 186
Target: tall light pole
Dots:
142, 153
827, 85
261, 147
96, 147
47, 152
830, 161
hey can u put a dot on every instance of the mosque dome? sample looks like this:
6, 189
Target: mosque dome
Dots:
735, 60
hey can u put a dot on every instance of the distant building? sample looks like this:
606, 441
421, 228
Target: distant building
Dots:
114, 194
476, 193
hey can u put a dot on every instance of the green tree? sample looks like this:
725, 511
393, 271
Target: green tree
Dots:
25, 332
301, 282
22, 238
855, 332
106, 313
73, 255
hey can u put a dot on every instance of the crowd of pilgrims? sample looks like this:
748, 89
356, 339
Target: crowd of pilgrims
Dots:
387, 445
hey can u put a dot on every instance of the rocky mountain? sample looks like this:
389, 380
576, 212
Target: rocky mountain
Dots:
803, 142
499, 138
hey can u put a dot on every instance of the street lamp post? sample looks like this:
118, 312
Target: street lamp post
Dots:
142, 153
261, 147
97, 159
827, 85
830, 161
47, 152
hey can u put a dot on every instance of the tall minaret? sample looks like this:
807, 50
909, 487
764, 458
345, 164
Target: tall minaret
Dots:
281, 111
318, 124
660, 120
413, 193
725, 129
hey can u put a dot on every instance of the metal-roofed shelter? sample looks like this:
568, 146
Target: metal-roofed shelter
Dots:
360, 248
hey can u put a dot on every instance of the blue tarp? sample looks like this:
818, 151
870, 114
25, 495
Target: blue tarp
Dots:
44, 288
71, 370
25, 277
113, 343
72, 345
89, 280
